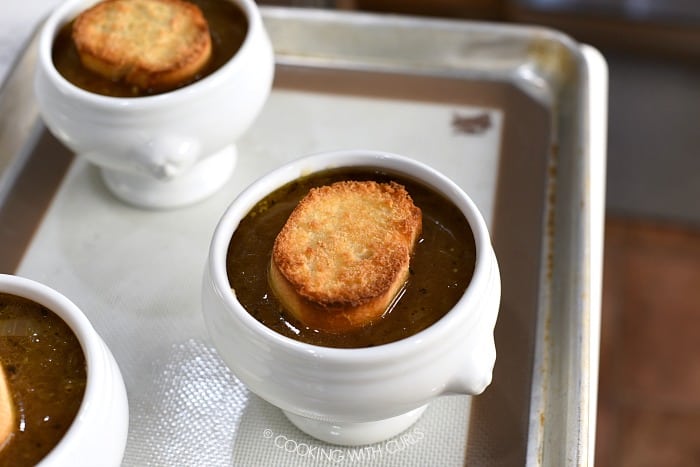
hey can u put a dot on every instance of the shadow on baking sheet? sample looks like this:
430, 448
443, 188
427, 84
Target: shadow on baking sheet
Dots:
29, 197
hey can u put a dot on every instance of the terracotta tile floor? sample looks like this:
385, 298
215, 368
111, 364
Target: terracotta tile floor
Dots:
649, 399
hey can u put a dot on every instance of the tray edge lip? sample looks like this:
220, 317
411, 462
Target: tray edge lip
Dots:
576, 48
581, 449
530, 34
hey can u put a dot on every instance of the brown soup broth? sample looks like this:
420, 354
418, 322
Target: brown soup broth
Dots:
227, 25
440, 271
46, 374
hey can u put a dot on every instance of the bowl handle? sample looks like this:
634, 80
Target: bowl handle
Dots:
166, 156
475, 371
478, 357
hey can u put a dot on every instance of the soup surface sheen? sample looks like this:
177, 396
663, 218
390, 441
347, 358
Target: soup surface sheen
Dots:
440, 271
46, 374
227, 26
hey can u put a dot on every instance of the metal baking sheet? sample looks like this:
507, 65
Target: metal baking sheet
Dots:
514, 114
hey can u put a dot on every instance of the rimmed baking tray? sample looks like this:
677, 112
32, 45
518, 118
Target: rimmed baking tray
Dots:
515, 114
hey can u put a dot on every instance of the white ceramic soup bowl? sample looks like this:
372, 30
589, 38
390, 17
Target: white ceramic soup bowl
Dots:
166, 150
359, 395
98, 433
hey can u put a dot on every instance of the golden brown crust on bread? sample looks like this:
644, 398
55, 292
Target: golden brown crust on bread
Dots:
152, 44
344, 253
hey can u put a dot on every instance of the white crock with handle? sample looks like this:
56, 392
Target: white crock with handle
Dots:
363, 395
166, 150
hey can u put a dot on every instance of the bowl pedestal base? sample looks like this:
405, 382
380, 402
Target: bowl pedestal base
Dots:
201, 181
356, 434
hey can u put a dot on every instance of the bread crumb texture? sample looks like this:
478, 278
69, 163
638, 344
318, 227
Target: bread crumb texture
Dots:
147, 43
348, 243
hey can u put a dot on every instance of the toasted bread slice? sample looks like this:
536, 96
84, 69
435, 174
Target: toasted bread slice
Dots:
151, 44
343, 255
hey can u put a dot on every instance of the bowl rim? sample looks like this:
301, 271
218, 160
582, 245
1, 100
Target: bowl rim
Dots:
404, 165
81, 327
69, 9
